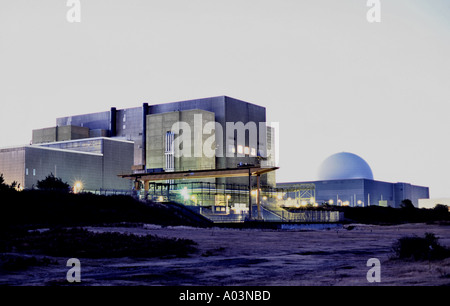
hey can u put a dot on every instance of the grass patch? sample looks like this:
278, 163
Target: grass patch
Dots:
81, 243
420, 248
12, 262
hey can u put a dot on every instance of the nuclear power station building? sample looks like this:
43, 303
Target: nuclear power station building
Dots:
212, 133
345, 179
214, 154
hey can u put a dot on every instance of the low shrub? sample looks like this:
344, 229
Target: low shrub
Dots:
83, 243
10, 262
420, 248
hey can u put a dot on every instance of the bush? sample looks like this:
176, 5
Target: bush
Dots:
53, 183
12, 262
82, 243
441, 209
407, 204
390, 215
47, 209
420, 248
5, 187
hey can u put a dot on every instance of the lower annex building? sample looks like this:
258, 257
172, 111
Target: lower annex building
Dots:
345, 179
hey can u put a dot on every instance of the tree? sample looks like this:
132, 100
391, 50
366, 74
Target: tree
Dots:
2, 180
53, 183
441, 209
407, 204
6, 187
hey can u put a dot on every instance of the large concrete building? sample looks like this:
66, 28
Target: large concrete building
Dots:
210, 133
346, 179
94, 163
238, 134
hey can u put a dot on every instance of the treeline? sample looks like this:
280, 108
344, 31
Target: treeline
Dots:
43, 208
390, 215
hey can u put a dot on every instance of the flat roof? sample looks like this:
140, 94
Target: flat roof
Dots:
117, 139
197, 174
63, 150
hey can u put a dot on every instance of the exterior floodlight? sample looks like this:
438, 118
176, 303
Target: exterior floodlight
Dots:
184, 193
77, 187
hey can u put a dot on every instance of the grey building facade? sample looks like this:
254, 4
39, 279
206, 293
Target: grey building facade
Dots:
95, 163
96, 147
364, 192
345, 179
135, 124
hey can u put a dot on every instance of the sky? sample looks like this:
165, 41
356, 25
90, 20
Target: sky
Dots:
331, 80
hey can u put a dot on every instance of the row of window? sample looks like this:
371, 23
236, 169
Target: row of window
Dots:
34, 172
169, 151
243, 150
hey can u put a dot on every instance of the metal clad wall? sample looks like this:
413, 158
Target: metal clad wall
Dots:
94, 145
69, 166
376, 191
366, 191
213, 104
344, 190
130, 127
93, 121
117, 159
12, 165
407, 191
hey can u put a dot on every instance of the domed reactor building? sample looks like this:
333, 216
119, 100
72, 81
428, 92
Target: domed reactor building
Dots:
345, 179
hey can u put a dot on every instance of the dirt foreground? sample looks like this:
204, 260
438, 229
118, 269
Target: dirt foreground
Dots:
252, 257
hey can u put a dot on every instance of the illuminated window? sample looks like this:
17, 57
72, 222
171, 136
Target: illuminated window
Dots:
169, 151
253, 152
240, 149
247, 150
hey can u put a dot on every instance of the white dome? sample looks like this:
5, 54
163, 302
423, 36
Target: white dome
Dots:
344, 165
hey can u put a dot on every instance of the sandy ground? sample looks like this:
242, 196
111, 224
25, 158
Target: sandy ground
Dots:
259, 258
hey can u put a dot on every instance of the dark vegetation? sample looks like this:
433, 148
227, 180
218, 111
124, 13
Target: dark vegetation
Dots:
30, 209
420, 248
5, 187
81, 243
52, 183
388, 215
15, 262
61, 213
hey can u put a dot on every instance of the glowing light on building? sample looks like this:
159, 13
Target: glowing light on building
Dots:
77, 187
